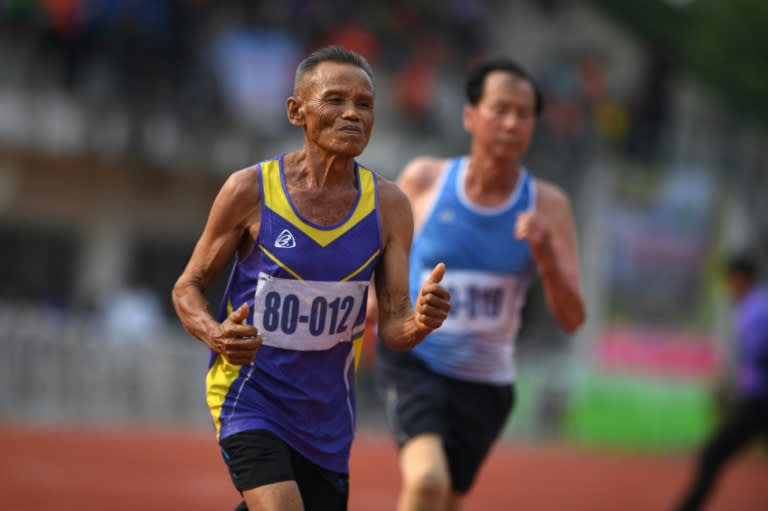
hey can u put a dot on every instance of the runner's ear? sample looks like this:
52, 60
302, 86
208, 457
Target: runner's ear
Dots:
295, 111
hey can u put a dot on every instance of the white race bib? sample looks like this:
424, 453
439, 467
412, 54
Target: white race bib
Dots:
482, 303
306, 315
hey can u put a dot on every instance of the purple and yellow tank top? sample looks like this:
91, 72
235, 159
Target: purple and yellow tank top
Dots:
307, 286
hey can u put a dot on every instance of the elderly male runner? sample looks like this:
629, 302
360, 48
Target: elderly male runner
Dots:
308, 230
494, 225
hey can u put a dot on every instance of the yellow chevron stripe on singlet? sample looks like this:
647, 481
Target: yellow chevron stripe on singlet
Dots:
219, 379
357, 347
362, 267
275, 198
279, 262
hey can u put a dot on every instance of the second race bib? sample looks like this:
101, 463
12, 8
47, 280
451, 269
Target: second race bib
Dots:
482, 303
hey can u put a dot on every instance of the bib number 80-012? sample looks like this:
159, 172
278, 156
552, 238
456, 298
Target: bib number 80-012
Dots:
284, 313
306, 315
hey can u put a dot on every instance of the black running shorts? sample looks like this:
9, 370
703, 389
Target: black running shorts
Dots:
256, 458
468, 416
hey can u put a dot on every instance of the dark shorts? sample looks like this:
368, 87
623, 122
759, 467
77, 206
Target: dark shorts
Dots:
468, 416
259, 457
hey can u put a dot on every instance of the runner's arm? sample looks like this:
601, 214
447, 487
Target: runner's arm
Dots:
551, 231
400, 326
233, 210
416, 180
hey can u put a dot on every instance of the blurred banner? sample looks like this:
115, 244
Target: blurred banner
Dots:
656, 357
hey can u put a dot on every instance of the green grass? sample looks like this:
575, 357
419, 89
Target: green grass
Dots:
640, 413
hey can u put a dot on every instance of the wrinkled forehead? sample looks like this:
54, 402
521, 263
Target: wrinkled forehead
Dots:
503, 85
337, 76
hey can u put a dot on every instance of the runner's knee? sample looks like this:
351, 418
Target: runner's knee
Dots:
429, 484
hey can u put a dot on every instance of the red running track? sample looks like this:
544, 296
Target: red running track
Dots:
79, 469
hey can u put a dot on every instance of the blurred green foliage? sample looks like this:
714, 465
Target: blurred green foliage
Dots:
722, 43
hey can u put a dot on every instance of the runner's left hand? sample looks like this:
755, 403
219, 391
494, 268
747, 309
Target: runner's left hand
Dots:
532, 228
433, 302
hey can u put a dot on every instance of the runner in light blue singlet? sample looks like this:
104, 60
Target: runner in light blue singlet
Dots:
490, 272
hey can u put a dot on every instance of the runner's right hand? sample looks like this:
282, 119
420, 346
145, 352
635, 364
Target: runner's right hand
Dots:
237, 341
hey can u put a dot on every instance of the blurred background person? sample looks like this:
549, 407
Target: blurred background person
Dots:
748, 418
497, 227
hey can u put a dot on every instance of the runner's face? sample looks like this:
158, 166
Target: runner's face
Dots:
502, 122
336, 101
736, 285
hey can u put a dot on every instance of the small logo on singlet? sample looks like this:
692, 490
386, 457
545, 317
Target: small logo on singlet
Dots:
285, 240
446, 216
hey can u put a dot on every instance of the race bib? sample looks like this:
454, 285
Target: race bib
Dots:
306, 315
482, 303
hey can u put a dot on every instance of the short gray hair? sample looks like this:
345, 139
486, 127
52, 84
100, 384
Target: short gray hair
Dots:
331, 54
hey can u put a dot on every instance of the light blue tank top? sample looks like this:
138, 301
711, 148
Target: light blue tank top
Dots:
488, 274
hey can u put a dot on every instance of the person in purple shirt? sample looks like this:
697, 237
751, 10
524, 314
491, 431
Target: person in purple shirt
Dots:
749, 417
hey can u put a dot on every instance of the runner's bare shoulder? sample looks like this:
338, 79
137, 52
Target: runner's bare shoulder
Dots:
550, 197
421, 174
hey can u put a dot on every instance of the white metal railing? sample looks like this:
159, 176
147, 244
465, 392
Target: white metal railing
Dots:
68, 368
62, 367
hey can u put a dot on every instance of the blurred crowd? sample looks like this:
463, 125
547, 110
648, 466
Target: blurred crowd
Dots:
225, 64
198, 55
216, 67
